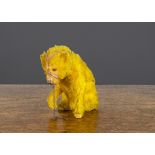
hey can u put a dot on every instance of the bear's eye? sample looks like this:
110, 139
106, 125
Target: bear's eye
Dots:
54, 69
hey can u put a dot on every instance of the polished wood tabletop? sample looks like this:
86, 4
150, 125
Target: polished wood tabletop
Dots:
122, 108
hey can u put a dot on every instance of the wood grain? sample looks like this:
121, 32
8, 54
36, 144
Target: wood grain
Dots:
123, 108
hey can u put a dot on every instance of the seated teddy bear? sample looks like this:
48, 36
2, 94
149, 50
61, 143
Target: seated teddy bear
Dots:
72, 80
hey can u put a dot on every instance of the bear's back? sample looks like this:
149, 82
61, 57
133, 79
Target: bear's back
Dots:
84, 68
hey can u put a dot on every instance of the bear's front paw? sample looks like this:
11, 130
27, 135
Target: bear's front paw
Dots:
60, 107
78, 115
63, 107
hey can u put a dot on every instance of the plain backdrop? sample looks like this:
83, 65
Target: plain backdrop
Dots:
117, 53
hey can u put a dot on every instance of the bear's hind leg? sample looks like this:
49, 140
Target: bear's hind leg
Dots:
90, 98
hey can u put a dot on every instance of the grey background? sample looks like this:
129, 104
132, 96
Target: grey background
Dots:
117, 53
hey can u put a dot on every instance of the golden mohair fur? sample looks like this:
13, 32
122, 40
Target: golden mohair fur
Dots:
72, 80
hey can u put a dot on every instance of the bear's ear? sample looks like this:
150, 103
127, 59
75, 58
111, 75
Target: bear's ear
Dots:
64, 57
43, 60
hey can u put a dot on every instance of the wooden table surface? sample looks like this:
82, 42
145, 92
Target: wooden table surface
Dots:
123, 108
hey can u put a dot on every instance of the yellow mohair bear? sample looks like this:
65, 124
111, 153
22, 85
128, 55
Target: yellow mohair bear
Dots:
72, 80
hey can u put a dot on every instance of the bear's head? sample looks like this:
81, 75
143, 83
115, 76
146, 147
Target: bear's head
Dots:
56, 63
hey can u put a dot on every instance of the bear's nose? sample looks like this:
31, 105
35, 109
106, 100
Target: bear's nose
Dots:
49, 80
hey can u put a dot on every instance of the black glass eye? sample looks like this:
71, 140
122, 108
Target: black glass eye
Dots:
54, 69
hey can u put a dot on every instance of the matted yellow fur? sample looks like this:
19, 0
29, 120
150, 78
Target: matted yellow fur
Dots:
73, 81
